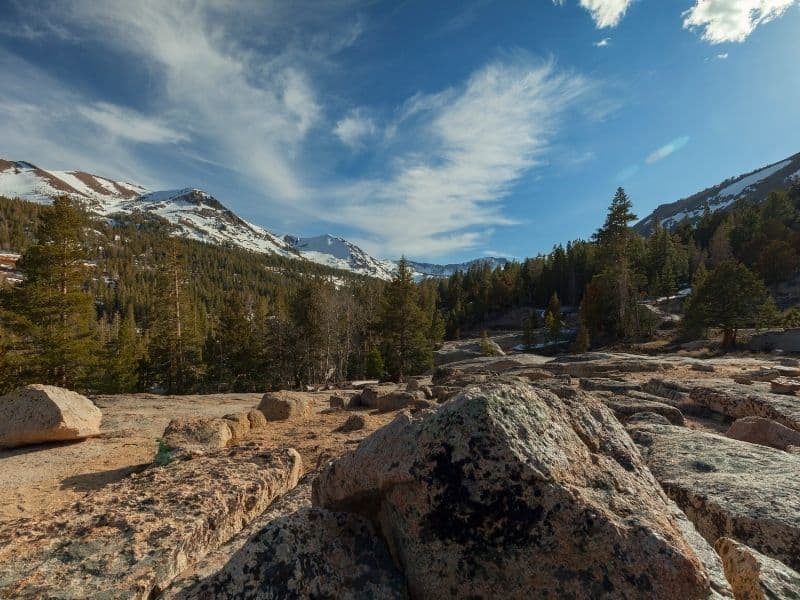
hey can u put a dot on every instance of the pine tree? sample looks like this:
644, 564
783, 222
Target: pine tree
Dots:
55, 314
124, 354
552, 319
403, 327
730, 297
529, 327
581, 343
375, 368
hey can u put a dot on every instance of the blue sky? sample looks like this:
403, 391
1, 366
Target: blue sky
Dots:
442, 130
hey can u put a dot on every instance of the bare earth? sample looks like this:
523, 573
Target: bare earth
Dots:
37, 479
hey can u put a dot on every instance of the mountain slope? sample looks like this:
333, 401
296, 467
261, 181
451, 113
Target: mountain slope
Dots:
754, 185
433, 270
197, 215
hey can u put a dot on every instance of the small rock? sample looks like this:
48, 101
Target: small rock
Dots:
412, 385
336, 402
369, 397
284, 406
257, 419
754, 576
396, 401
239, 424
45, 413
703, 367
197, 434
647, 417
353, 423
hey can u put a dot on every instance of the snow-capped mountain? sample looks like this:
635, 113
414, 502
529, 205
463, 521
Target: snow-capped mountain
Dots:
339, 253
197, 215
193, 213
433, 270
755, 185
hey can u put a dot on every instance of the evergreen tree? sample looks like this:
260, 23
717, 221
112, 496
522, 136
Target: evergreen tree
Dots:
55, 315
552, 320
529, 327
731, 297
124, 354
403, 327
581, 343
375, 368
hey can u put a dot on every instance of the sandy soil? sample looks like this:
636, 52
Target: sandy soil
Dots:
36, 479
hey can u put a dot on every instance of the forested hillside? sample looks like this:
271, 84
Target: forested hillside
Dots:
122, 305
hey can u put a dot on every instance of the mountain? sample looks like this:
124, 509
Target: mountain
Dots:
197, 215
432, 270
755, 185
339, 253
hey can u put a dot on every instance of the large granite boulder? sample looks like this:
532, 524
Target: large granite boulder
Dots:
195, 435
728, 488
129, 539
758, 430
311, 553
44, 413
754, 576
239, 424
285, 406
398, 400
509, 491
627, 406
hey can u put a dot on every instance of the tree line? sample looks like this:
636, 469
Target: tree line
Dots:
122, 306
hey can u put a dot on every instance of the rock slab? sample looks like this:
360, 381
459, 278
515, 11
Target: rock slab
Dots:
131, 538
728, 488
44, 413
766, 432
509, 491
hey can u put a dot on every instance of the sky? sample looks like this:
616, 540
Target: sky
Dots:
441, 130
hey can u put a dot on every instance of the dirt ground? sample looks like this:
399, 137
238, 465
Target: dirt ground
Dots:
35, 479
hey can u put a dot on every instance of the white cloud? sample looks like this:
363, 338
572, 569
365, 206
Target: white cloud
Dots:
354, 129
606, 13
473, 144
722, 56
732, 20
130, 125
667, 149
603, 43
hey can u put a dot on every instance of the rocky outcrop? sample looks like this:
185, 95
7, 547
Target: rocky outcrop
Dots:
43, 413
754, 576
285, 406
608, 385
509, 491
196, 435
600, 365
311, 553
728, 488
188, 584
131, 538
758, 430
737, 401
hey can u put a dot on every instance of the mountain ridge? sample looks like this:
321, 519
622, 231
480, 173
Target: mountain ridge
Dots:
196, 214
754, 185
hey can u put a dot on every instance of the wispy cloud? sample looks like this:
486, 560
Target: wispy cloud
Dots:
667, 149
603, 43
474, 143
130, 125
606, 13
732, 20
355, 128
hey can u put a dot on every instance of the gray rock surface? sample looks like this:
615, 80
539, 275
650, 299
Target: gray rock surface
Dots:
728, 488
45, 413
508, 491
737, 401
